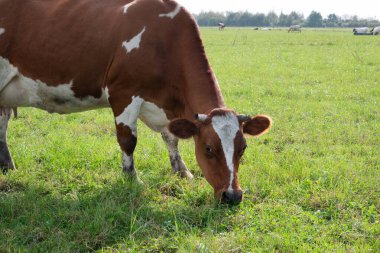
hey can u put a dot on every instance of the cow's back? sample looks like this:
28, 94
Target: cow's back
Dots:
61, 41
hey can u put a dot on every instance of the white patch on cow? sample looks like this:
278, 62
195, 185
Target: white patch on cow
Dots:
134, 43
7, 72
127, 160
16, 90
130, 114
106, 93
2, 30
226, 127
153, 116
125, 7
171, 14
5, 114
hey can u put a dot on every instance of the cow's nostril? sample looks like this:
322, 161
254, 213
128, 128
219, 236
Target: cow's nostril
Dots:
225, 197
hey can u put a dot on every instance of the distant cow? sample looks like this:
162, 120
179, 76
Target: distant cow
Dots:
360, 30
221, 26
294, 28
376, 31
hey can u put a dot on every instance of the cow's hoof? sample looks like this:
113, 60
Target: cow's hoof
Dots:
134, 178
5, 167
186, 174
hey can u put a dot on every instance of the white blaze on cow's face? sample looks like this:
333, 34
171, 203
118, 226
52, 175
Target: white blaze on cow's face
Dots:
2, 30
226, 127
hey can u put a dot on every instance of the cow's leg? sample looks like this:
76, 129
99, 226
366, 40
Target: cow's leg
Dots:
126, 127
176, 161
6, 161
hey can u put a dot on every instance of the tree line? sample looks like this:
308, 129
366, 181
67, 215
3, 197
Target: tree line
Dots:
271, 19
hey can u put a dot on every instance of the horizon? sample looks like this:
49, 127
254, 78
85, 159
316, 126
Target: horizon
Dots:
364, 10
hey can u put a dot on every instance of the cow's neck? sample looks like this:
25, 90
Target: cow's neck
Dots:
201, 89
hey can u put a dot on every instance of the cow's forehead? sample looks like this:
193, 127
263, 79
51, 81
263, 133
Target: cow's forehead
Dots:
225, 125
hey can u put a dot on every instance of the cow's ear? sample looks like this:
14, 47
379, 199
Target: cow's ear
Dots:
183, 128
257, 125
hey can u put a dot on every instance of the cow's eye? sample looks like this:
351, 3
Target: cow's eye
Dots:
242, 151
209, 151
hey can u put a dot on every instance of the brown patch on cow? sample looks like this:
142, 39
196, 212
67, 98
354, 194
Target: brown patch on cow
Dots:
183, 128
126, 139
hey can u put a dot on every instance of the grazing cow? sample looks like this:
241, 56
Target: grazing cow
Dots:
376, 30
294, 28
360, 30
143, 59
221, 26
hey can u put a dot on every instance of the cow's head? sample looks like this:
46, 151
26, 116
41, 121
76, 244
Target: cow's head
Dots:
219, 146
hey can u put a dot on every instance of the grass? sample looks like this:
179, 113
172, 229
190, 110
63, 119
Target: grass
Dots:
311, 183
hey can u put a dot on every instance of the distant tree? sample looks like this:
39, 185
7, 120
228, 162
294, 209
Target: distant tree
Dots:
295, 18
332, 18
284, 20
210, 18
259, 19
314, 19
272, 18
245, 19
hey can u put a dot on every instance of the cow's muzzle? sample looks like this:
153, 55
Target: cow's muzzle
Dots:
231, 198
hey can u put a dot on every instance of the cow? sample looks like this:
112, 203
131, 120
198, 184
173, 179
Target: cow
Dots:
360, 30
294, 28
144, 59
221, 26
376, 30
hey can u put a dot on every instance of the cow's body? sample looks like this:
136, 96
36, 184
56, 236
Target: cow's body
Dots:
376, 30
294, 28
142, 58
360, 30
221, 26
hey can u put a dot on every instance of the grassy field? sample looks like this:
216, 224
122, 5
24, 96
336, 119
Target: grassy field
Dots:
311, 184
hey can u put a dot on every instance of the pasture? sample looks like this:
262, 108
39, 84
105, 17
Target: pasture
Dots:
311, 183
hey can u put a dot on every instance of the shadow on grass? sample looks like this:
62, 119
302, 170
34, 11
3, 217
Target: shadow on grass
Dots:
123, 213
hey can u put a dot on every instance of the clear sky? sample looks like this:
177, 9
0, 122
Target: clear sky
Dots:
362, 8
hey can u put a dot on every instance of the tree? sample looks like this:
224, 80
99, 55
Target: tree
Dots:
272, 18
314, 19
295, 18
284, 20
210, 18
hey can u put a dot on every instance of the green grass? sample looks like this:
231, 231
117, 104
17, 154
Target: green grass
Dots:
311, 183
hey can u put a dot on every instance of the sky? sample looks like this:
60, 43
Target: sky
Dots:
362, 8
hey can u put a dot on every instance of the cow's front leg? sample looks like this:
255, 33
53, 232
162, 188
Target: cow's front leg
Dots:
126, 126
176, 161
6, 161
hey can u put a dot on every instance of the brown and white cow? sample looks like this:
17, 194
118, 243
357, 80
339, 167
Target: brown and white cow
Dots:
143, 58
